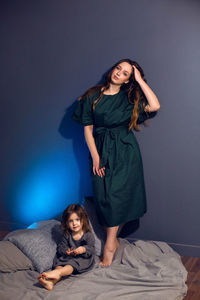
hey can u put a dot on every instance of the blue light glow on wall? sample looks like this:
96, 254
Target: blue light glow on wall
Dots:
51, 183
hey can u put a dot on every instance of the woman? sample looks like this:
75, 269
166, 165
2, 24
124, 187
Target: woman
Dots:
108, 112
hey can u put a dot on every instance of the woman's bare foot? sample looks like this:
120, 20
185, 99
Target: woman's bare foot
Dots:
108, 254
49, 279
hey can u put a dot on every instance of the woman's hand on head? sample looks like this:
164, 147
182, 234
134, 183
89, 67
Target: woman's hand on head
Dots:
96, 168
137, 74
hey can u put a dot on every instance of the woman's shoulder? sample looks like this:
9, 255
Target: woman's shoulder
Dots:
123, 94
90, 94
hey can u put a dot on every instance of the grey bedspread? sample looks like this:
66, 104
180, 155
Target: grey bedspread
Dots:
142, 271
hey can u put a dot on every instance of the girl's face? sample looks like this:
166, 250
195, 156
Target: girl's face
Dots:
74, 223
121, 73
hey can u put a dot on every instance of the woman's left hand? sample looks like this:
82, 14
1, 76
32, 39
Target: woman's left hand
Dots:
137, 74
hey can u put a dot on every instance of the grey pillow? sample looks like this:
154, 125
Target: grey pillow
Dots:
12, 259
39, 245
97, 229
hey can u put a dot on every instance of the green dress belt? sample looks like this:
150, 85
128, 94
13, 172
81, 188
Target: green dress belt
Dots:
110, 135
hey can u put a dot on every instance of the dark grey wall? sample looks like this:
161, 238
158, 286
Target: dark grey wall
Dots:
52, 51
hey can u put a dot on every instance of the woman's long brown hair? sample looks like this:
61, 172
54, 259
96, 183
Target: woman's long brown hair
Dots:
132, 88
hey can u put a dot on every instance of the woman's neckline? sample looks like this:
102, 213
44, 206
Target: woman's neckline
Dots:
112, 94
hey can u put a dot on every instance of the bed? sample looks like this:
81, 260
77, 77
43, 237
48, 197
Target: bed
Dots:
144, 270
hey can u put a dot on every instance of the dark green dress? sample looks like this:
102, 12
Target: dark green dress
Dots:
120, 195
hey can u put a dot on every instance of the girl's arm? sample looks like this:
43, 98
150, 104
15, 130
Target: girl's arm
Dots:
63, 246
88, 131
89, 246
153, 103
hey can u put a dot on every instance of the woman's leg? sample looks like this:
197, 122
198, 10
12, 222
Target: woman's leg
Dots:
49, 279
110, 247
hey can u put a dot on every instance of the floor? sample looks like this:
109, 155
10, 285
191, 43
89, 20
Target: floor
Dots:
192, 265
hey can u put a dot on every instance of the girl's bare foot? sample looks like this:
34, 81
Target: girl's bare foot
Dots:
55, 274
48, 279
47, 284
108, 255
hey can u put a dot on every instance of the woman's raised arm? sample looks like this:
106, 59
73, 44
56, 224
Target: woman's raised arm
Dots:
153, 103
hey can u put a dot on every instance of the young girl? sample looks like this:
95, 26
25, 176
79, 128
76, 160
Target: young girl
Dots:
75, 252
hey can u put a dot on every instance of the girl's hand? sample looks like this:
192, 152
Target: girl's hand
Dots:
137, 74
96, 170
79, 250
69, 251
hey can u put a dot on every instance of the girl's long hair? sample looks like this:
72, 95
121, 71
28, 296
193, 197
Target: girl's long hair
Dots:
81, 213
132, 88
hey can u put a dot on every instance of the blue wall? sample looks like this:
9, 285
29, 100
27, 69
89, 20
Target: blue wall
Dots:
51, 52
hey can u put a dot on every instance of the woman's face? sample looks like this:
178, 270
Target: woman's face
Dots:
121, 73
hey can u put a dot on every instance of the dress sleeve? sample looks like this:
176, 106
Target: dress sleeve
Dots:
63, 246
89, 244
83, 112
143, 115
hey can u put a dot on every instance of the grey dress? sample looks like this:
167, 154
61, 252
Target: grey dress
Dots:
80, 263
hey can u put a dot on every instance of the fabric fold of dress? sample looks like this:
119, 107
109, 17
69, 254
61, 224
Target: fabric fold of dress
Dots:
109, 140
119, 195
